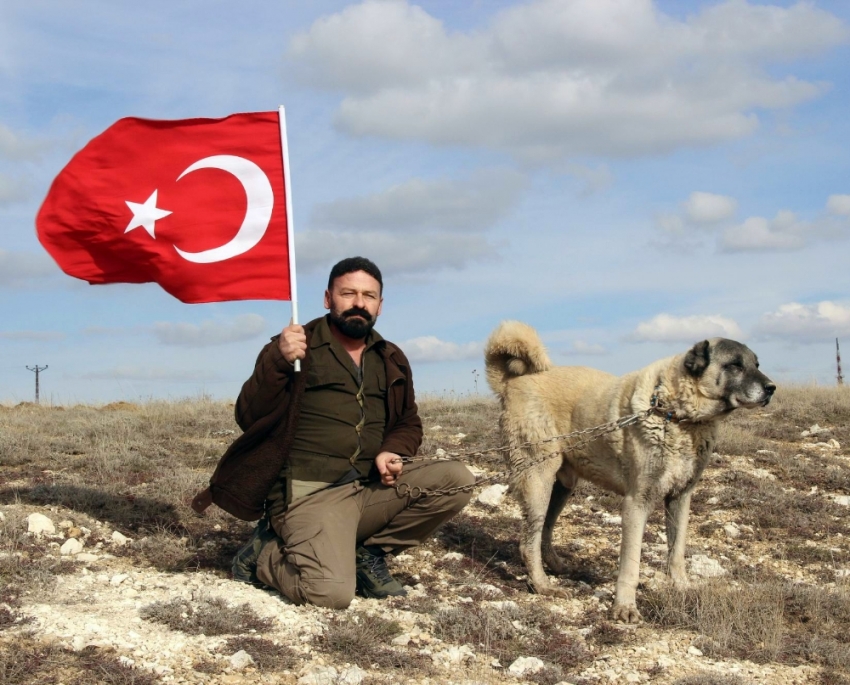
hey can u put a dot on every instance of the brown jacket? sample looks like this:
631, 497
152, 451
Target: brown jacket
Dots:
267, 410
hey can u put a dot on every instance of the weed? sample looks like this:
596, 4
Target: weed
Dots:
205, 617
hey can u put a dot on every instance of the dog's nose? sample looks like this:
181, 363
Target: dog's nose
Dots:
769, 388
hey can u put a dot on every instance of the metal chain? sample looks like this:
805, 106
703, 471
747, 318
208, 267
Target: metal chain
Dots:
591, 434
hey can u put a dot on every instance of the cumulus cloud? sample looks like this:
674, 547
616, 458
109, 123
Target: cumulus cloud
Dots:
708, 208
209, 333
550, 79
838, 204
23, 268
784, 232
32, 336
686, 329
806, 323
581, 347
471, 204
429, 348
138, 373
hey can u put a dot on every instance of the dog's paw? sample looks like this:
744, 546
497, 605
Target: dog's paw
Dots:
552, 591
625, 613
555, 564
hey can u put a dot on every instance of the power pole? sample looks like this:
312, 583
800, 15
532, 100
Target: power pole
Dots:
38, 369
838, 363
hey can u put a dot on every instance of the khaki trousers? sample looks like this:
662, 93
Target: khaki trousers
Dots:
313, 559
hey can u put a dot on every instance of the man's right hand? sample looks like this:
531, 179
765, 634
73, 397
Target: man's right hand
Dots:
293, 342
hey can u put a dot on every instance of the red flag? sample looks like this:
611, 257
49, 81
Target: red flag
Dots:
196, 205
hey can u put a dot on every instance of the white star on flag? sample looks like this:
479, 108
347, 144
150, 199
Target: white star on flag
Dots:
146, 215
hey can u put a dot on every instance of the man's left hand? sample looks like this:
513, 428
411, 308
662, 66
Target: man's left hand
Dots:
389, 465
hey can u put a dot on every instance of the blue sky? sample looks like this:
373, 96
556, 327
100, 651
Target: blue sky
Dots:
627, 176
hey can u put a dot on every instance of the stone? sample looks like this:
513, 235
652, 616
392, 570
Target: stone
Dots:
74, 532
118, 578
706, 567
525, 665
452, 556
353, 675
834, 444
453, 655
119, 539
693, 651
87, 557
732, 530
241, 660
493, 495
2, 517
39, 524
843, 500
319, 674
71, 546
64, 525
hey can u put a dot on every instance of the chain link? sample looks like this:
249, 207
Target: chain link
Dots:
588, 434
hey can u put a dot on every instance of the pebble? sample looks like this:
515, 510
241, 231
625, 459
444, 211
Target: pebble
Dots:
525, 665
706, 567
119, 539
71, 546
241, 660
39, 524
493, 495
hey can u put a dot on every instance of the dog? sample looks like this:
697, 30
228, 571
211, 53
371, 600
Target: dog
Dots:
660, 457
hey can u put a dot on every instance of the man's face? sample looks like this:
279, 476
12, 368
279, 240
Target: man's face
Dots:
354, 301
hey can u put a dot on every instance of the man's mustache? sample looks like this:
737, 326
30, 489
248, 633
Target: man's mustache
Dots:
356, 311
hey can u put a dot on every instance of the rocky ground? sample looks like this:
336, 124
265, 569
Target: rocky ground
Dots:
131, 588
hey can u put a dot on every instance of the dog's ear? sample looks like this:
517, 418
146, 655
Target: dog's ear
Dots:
696, 360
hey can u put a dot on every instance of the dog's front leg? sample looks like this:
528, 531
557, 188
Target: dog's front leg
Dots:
676, 513
635, 513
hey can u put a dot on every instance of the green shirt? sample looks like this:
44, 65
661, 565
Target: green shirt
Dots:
342, 420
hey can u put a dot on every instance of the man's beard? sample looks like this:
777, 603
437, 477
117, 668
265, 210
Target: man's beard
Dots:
351, 326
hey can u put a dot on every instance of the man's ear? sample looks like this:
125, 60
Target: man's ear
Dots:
697, 358
327, 299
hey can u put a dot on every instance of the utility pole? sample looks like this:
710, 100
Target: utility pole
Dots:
38, 369
838, 363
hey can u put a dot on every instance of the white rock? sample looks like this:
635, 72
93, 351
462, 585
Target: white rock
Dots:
764, 474
119, 539
71, 546
453, 655
66, 524
440, 452
609, 520
87, 558
706, 567
319, 675
2, 516
241, 660
401, 640
40, 524
693, 651
493, 495
524, 665
460, 436
118, 578
504, 605
452, 556
436, 428
353, 675
843, 500
732, 530
126, 661
834, 444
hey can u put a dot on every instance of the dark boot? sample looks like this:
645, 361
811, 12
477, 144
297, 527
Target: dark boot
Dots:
245, 562
373, 576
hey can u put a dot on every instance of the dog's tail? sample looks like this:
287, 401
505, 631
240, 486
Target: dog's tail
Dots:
514, 349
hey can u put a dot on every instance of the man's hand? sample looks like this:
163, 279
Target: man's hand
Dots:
293, 342
389, 466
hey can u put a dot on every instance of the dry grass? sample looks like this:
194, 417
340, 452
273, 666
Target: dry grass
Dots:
135, 468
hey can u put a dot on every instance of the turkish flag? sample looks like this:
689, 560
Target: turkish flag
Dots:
196, 205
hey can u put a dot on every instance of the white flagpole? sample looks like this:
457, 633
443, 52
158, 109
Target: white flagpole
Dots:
290, 226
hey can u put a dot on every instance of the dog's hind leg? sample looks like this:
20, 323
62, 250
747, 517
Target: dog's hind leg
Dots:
676, 513
534, 491
562, 489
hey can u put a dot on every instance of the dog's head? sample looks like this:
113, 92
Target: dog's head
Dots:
727, 372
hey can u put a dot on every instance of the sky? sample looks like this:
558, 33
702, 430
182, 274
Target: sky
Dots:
627, 176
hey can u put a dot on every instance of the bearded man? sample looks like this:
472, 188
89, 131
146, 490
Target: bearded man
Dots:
321, 456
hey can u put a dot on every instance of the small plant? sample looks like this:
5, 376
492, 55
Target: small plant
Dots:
205, 617
267, 655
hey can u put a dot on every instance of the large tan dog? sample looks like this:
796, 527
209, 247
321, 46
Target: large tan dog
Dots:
659, 458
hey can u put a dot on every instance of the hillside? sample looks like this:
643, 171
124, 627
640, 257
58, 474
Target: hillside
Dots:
132, 587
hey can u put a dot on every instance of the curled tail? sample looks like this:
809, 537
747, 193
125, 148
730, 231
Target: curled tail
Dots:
513, 349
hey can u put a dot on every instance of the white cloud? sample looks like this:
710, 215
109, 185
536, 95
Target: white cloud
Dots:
471, 204
806, 322
838, 204
429, 348
138, 373
14, 148
784, 232
393, 252
24, 268
708, 208
31, 335
686, 329
208, 333
553, 78
581, 347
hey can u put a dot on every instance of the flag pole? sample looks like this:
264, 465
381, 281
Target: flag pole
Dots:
290, 226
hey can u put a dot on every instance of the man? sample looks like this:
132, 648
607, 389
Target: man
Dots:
322, 451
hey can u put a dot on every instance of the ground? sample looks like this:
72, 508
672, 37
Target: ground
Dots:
132, 587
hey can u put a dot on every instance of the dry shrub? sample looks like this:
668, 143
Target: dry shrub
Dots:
362, 639
205, 617
767, 621
267, 655
710, 678
34, 663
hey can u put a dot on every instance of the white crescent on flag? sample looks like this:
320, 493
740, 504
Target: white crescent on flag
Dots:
260, 196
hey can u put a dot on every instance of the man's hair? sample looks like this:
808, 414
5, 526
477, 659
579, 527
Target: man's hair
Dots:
352, 264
